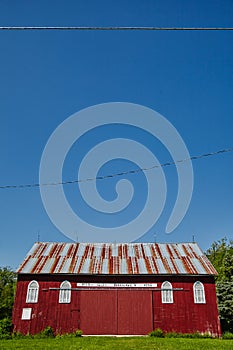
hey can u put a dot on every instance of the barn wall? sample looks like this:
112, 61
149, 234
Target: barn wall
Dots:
183, 315
118, 311
64, 318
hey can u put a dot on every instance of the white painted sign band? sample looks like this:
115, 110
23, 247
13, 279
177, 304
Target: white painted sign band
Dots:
117, 285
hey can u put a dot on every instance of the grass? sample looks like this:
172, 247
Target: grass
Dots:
112, 343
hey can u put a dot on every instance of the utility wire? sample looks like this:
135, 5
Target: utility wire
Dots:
114, 28
134, 171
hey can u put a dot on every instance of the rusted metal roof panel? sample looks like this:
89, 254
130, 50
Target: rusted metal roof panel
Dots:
48, 264
114, 250
142, 266
114, 259
123, 267
161, 267
180, 266
181, 250
147, 250
198, 265
171, 265
58, 264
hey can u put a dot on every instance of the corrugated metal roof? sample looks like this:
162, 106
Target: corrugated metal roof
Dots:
114, 259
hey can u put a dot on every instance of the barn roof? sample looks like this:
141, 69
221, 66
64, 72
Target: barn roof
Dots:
116, 259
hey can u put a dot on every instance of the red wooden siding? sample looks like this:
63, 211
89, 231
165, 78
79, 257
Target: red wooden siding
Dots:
117, 311
64, 318
183, 315
99, 312
134, 312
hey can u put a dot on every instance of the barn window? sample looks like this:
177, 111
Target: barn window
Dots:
32, 293
167, 293
199, 293
26, 314
65, 292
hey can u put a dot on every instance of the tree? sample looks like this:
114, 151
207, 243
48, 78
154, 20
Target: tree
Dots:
7, 291
221, 255
225, 304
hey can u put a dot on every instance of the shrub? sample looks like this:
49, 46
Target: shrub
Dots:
5, 328
78, 333
196, 335
17, 335
206, 335
192, 335
173, 335
46, 333
158, 333
227, 335
65, 335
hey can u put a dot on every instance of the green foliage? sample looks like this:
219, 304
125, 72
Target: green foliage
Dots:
197, 335
78, 333
158, 333
17, 335
48, 332
7, 291
173, 335
221, 256
225, 304
227, 335
5, 328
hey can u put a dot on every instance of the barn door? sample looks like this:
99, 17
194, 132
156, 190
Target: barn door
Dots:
98, 312
116, 312
134, 312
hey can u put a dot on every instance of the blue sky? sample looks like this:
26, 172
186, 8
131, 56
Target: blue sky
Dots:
47, 76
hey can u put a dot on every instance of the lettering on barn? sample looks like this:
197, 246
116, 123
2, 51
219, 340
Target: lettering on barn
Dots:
108, 288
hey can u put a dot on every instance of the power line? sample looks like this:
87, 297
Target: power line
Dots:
134, 171
115, 28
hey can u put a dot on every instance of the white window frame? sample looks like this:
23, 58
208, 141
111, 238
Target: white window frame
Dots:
32, 292
167, 293
199, 293
65, 293
26, 313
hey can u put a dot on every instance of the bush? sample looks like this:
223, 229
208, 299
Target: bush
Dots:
17, 335
227, 335
5, 328
46, 333
64, 335
188, 335
173, 335
158, 333
78, 333
192, 335
206, 335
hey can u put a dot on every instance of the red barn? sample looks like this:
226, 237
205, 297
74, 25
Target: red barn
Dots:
107, 288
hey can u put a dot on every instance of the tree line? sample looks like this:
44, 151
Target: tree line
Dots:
220, 254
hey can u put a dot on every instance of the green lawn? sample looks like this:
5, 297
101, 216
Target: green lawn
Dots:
139, 343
